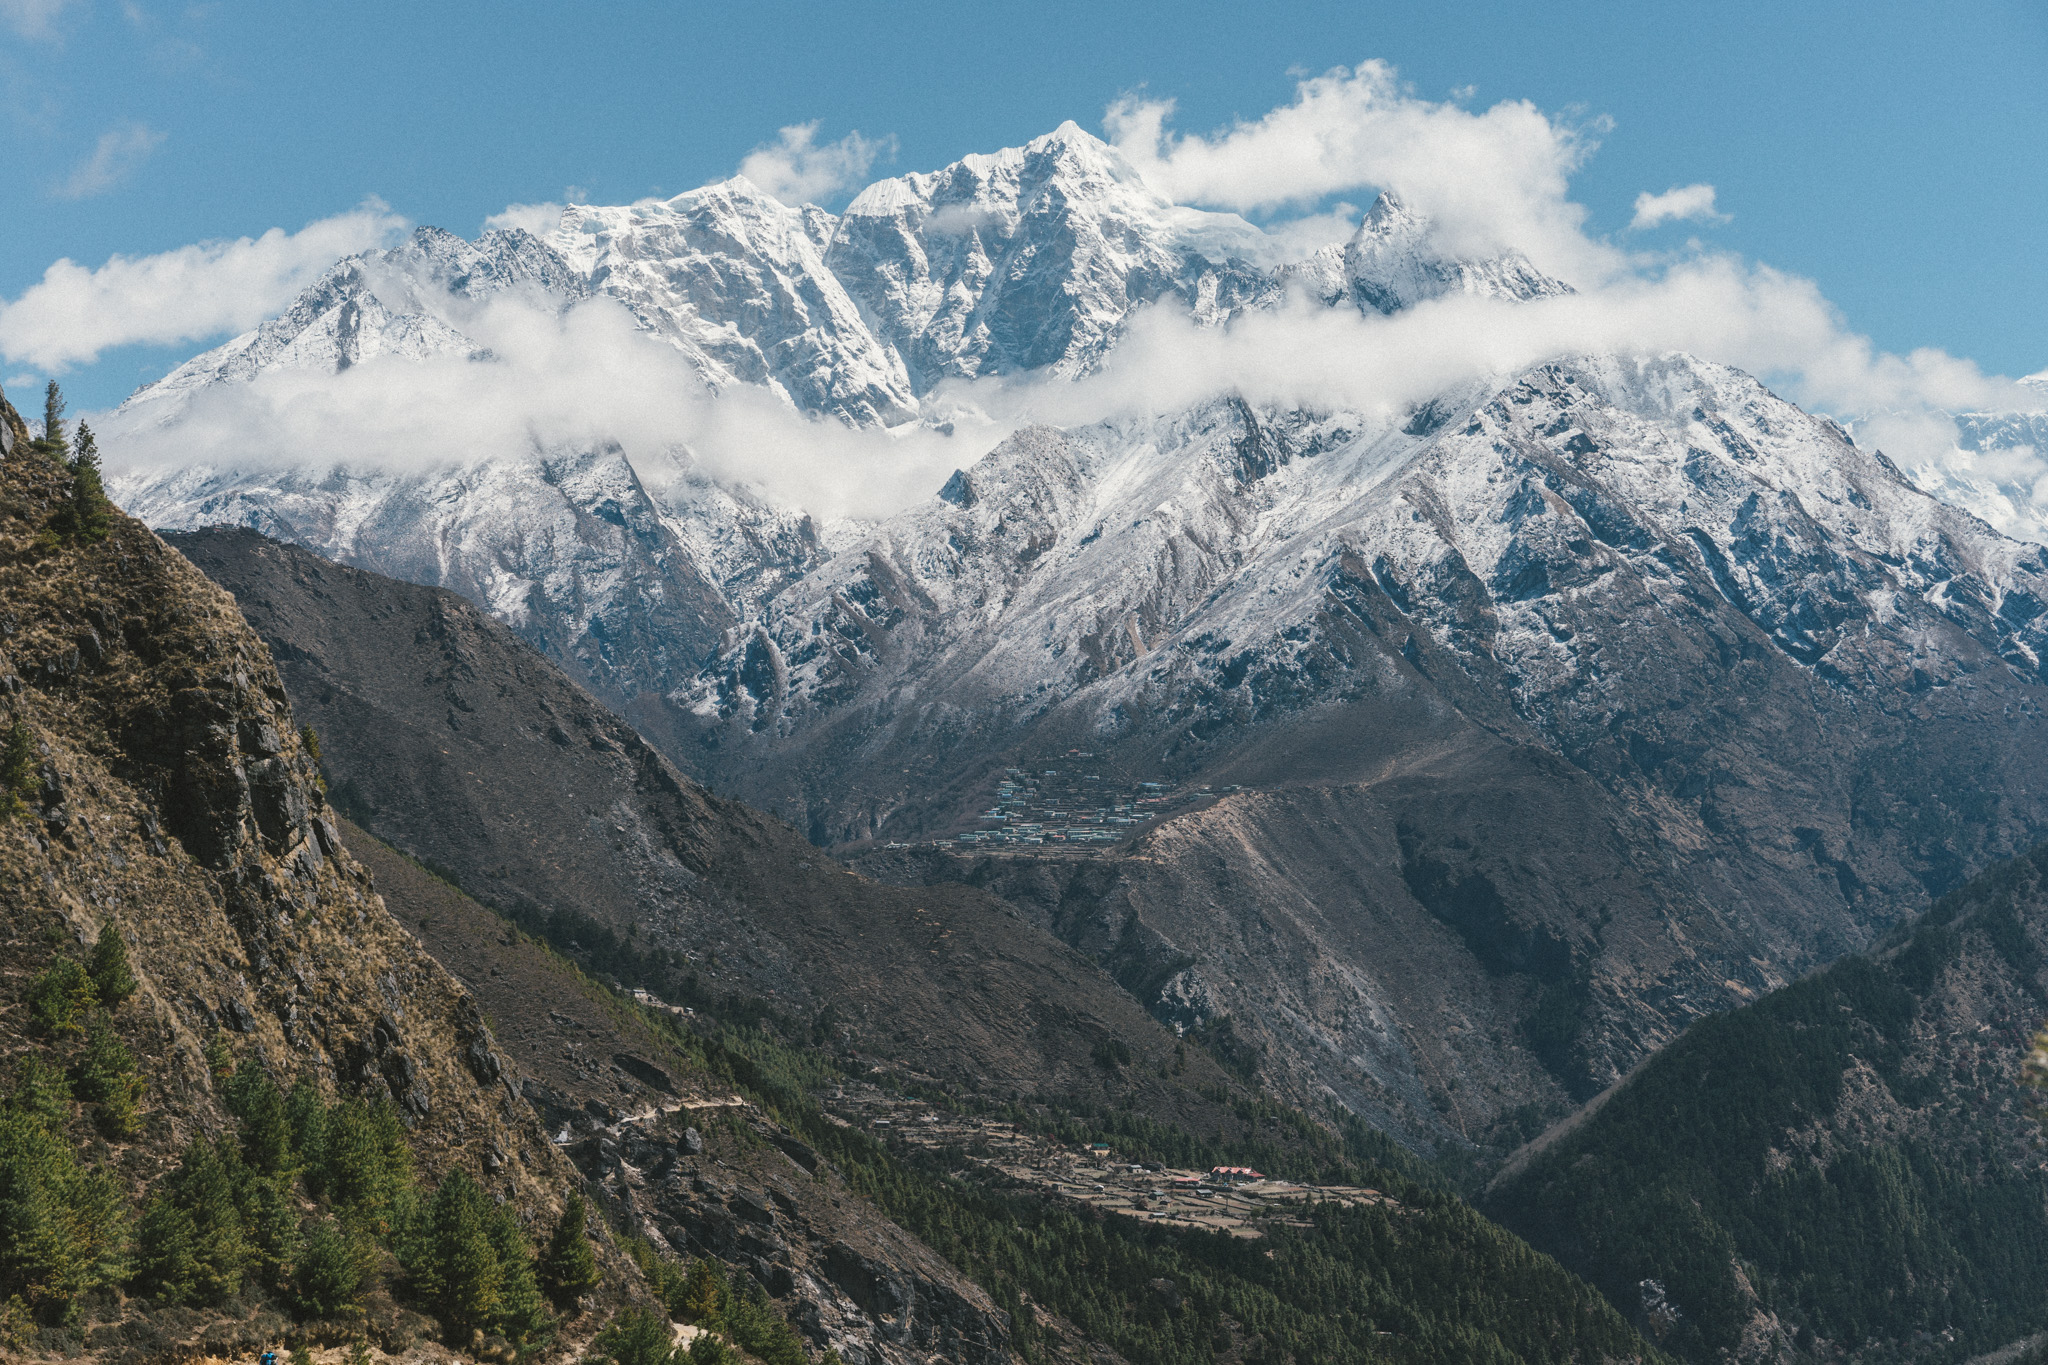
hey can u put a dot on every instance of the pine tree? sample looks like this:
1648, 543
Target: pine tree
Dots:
709, 1350
637, 1336
194, 1246
53, 443
41, 1089
522, 1312
365, 1170
17, 769
220, 1058
61, 997
333, 1262
451, 1260
704, 1294
61, 1225
107, 1079
306, 1115
167, 1251
112, 980
90, 514
256, 1102
568, 1269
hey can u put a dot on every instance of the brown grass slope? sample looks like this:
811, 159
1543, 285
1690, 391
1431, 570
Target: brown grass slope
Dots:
175, 801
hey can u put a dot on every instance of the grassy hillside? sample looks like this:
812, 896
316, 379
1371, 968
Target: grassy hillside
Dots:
1847, 1164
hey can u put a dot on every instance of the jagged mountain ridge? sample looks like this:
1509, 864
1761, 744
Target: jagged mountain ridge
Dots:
861, 681
1735, 672
632, 570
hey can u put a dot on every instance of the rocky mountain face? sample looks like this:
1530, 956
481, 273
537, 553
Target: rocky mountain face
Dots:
1848, 1168
1631, 625
453, 740
468, 749
1627, 623
672, 1154
172, 803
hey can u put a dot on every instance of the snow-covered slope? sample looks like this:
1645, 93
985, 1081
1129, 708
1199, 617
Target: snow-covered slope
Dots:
737, 279
1998, 468
1032, 258
405, 303
1392, 262
1638, 687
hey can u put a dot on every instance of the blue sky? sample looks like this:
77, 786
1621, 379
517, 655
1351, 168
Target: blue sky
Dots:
1893, 154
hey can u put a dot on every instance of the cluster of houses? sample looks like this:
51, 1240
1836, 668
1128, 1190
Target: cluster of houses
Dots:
1071, 807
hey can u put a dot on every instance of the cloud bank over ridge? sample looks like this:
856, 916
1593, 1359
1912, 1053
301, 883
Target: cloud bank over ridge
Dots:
1490, 180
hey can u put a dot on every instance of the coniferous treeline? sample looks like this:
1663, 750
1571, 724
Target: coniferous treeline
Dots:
310, 1201
1687, 1176
86, 516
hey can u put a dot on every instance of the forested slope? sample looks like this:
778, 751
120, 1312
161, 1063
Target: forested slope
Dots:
1849, 1164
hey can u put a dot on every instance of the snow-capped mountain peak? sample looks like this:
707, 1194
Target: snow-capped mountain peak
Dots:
1395, 261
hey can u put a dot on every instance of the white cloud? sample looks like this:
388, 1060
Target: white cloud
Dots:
572, 380
119, 153
1491, 179
1675, 205
195, 292
796, 170
538, 219
1771, 324
33, 18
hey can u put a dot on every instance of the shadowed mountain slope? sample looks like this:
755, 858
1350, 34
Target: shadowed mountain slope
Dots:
452, 739
1848, 1165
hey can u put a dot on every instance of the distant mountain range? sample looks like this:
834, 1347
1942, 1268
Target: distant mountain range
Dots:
1567, 705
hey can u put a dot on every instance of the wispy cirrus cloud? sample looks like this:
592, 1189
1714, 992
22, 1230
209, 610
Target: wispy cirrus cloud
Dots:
118, 154
33, 19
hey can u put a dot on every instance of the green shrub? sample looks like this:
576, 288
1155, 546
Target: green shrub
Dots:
60, 998
710, 1350
112, 981
637, 1336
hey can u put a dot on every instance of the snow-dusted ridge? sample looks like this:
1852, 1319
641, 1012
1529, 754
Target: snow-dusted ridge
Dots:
1739, 650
